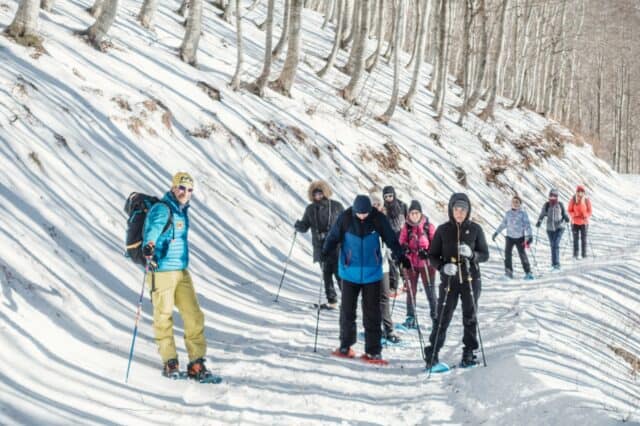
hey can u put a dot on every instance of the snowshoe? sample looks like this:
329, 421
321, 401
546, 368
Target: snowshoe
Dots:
374, 359
197, 371
326, 306
171, 369
468, 359
344, 353
410, 323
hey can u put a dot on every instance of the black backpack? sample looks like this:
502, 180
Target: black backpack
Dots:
136, 207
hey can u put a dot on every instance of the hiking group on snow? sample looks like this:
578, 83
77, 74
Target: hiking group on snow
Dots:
368, 249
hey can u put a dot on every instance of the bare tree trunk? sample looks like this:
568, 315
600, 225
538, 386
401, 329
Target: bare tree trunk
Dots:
466, 55
397, 39
372, 60
353, 28
521, 71
189, 47
482, 61
493, 77
442, 93
416, 34
348, 67
441, 81
96, 32
284, 37
284, 83
96, 9
350, 92
394, 21
261, 82
327, 13
182, 10
235, 81
25, 22
228, 12
147, 12
407, 101
336, 42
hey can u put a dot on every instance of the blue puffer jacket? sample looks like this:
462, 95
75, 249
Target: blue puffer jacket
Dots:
172, 247
517, 224
361, 257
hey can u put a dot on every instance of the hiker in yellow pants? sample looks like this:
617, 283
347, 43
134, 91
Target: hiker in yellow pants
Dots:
166, 248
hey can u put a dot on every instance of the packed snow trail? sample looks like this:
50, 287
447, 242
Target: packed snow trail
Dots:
81, 129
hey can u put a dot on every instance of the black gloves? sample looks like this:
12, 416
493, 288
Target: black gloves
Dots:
495, 235
423, 254
298, 226
149, 250
538, 223
529, 240
404, 262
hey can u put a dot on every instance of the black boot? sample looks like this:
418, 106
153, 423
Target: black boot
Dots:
468, 358
430, 357
197, 370
171, 369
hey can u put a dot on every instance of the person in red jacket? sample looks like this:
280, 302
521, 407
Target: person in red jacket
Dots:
415, 236
579, 210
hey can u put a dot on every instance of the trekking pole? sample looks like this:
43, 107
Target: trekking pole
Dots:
286, 264
400, 272
475, 310
135, 327
315, 343
415, 312
444, 297
430, 286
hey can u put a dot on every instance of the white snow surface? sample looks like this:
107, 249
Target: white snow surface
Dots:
80, 130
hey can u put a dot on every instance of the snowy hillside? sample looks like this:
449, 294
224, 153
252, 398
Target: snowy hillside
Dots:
80, 130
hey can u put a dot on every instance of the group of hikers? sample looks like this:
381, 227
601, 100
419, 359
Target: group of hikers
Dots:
367, 248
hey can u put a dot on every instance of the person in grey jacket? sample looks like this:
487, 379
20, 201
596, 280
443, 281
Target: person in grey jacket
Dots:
556, 216
516, 221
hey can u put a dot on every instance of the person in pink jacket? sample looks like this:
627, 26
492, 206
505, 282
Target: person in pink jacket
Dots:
415, 237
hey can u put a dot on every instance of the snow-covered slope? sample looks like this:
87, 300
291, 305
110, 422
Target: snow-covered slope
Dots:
80, 130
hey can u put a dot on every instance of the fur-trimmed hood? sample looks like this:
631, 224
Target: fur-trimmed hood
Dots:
322, 185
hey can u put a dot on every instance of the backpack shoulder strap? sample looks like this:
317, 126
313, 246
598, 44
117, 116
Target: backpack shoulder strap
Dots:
170, 220
346, 220
426, 230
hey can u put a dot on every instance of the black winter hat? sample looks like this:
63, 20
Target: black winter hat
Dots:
415, 205
362, 204
388, 190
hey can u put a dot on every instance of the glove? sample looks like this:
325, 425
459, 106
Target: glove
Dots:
529, 240
450, 269
495, 235
149, 250
298, 226
538, 223
404, 262
423, 254
465, 251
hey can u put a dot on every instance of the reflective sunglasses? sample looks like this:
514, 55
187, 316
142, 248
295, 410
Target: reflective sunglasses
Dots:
183, 188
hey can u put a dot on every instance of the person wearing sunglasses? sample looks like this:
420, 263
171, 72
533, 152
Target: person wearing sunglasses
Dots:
167, 250
319, 216
556, 216
580, 211
516, 221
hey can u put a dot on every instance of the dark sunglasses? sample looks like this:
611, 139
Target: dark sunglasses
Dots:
388, 196
183, 188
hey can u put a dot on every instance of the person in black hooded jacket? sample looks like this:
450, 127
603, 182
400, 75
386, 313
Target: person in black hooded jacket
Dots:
396, 211
458, 246
319, 216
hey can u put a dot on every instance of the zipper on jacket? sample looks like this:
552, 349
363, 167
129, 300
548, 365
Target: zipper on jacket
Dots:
361, 260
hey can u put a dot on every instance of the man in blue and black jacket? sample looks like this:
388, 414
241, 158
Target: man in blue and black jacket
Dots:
358, 230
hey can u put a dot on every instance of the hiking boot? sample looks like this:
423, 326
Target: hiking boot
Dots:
528, 276
374, 357
410, 322
197, 370
345, 352
171, 368
331, 305
508, 273
428, 354
468, 358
